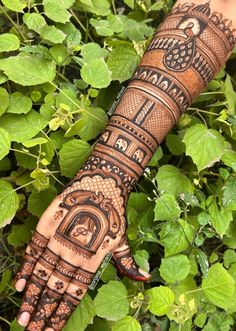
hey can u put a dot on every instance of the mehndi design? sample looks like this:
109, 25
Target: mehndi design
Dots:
87, 220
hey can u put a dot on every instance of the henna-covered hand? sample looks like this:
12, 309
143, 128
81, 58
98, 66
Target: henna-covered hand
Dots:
87, 220
83, 224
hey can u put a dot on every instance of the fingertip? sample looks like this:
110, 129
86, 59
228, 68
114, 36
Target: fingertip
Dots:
24, 318
20, 284
146, 275
49, 329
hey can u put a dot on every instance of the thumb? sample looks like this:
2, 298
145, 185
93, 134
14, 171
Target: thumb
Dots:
126, 264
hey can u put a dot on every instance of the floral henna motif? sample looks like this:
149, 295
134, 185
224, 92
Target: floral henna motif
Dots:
59, 285
64, 310
126, 264
32, 294
47, 304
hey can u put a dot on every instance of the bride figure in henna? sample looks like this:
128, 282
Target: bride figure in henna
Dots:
87, 220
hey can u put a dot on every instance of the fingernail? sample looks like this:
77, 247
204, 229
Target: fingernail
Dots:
20, 285
49, 329
23, 320
146, 274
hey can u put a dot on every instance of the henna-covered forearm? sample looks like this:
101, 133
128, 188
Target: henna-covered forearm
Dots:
87, 220
187, 50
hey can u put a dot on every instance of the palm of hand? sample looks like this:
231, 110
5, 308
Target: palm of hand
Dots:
83, 224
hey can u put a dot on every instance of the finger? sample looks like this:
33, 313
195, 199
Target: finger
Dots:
126, 264
36, 285
71, 298
34, 250
56, 286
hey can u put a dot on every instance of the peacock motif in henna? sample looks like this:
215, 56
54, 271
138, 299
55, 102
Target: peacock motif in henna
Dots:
87, 220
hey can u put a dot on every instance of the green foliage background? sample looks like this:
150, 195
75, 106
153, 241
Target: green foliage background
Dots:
62, 64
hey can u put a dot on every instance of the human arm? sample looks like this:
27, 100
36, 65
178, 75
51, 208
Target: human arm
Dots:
87, 219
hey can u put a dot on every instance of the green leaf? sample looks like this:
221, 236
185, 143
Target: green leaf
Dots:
19, 104
41, 179
96, 73
200, 319
141, 258
171, 180
6, 279
137, 31
4, 97
219, 321
60, 55
219, 286
5, 143
122, 62
230, 95
167, 208
82, 316
14, 5
9, 203
14, 325
22, 127
56, 10
39, 201
129, 3
229, 257
176, 236
90, 124
20, 234
51, 33
174, 268
205, 146
161, 298
98, 7
127, 323
203, 262
9, 42
34, 21
34, 142
229, 192
28, 70
229, 158
111, 302
175, 144
102, 27
88, 50
72, 156
220, 218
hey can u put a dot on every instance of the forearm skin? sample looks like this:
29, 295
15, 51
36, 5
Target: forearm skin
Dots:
186, 52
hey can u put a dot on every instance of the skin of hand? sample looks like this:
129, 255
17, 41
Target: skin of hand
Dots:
81, 225
87, 220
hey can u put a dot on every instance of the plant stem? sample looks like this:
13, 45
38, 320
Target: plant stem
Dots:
81, 24
13, 23
4, 320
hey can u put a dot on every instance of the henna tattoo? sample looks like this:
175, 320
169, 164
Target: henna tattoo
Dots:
34, 250
45, 308
32, 294
126, 264
91, 214
186, 52
59, 285
64, 310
